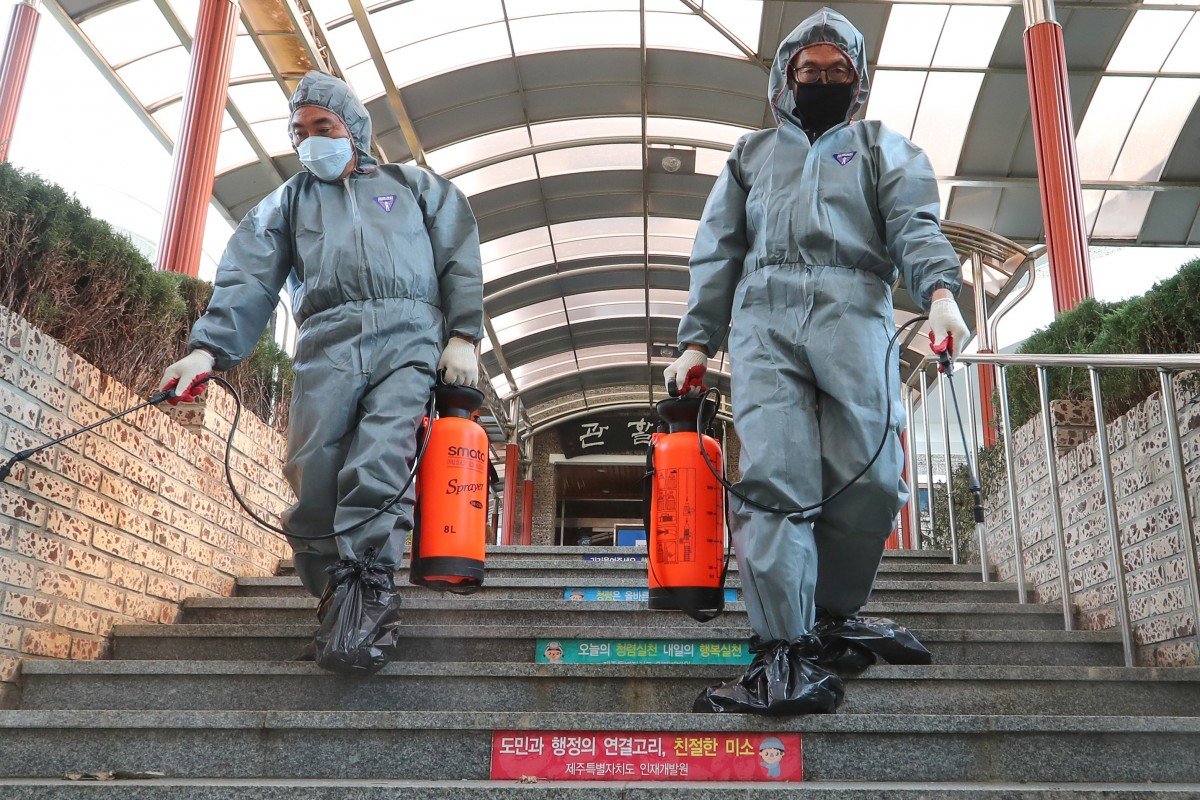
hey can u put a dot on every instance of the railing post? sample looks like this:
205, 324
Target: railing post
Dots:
1010, 471
914, 499
928, 452
1114, 530
1186, 530
943, 398
980, 529
1060, 538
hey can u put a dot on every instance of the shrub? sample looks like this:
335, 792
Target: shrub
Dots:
1165, 320
87, 286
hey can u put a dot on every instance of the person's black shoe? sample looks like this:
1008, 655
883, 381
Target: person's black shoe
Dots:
851, 644
359, 613
782, 680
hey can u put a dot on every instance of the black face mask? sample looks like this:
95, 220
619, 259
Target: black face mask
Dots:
820, 106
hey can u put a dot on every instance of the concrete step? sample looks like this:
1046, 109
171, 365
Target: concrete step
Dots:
556, 588
585, 688
375, 789
457, 745
480, 610
518, 643
577, 569
510, 553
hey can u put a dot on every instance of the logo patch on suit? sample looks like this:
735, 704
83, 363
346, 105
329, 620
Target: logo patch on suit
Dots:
386, 202
845, 158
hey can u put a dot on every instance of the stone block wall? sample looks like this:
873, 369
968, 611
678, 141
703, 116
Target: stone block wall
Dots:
120, 524
544, 500
1152, 548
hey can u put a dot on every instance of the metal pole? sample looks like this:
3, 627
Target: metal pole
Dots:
1114, 530
928, 452
512, 473
980, 530
198, 138
943, 398
527, 512
1060, 536
1057, 162
914, 499
562, 523
904, 529
929, 455
18, 50
983, 341
1011, 472
1186, 530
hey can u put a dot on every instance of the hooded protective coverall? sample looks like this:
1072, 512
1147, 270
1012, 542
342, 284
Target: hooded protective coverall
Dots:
799, 246
382, 267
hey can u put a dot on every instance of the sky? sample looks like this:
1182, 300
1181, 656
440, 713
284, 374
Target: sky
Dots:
74, 129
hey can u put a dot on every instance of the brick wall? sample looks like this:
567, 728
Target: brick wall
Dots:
1154, 562
118, 525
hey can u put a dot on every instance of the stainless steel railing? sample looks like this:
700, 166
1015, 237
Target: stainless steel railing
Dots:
1167, 367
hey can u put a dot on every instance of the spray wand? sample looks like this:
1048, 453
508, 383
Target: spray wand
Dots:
945, 353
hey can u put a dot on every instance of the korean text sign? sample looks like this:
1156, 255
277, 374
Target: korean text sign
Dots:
646, 756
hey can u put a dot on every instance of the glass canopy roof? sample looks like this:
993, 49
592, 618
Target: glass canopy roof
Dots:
541, 110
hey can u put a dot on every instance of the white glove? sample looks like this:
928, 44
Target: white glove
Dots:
459, 362
683, 371
946, 320
186, 370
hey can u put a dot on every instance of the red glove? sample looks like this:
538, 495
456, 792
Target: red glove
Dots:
694, 379
944, 350
191, 393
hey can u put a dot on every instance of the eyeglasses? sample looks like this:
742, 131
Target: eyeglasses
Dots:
831, 74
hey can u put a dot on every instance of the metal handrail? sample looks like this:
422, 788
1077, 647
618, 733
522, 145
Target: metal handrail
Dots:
1166, 366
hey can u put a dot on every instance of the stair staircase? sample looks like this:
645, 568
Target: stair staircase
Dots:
1014, 707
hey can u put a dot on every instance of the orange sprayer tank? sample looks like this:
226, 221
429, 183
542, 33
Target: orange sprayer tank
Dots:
450, 520
685, 526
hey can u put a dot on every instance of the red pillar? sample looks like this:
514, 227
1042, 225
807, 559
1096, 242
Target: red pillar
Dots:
987, 414
527, 512
18, 49
199, 136
512, 468
1058, 166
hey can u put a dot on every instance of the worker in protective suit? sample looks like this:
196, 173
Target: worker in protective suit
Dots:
806, 230
383, 267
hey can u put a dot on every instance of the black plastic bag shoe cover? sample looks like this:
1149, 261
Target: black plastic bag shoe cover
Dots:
782, 680
359, 614
848, 641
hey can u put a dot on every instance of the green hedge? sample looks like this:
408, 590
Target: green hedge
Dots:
1164, 320
74, 277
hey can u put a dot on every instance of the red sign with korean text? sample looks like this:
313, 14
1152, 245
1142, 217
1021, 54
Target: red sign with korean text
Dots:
624, 756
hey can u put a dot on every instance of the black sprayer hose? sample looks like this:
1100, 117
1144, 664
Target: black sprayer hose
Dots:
807, 510
168, 394
388, 506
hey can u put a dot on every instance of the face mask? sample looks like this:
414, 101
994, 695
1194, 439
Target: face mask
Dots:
324, 157
820, 106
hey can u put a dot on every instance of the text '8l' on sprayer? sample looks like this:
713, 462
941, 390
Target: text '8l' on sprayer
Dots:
684, 512
450, 520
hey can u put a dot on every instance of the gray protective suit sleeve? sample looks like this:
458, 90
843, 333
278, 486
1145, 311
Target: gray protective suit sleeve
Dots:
716, 262
251, 274
454, 237
909, 205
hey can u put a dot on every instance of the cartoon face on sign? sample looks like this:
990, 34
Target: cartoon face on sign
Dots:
553, 652
770, 752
